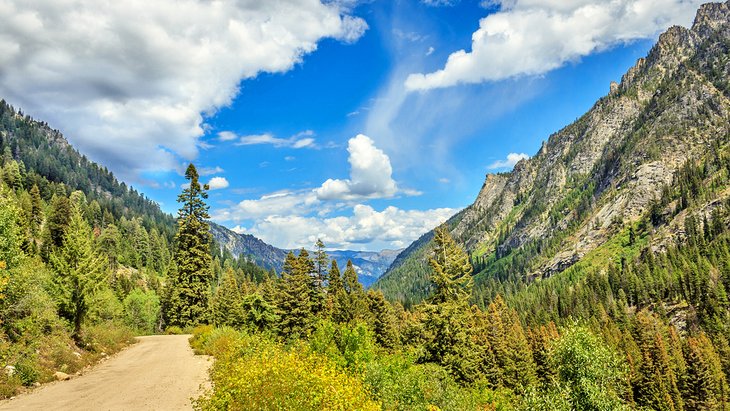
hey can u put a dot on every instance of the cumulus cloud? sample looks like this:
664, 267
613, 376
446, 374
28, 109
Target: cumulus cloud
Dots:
217, 183
531, 37
366, 228
283, 202
370, 174
296, 218
509, 162
131, 82
300, 140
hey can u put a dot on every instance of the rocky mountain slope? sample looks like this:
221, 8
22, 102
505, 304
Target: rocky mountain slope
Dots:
597, 176
369, 265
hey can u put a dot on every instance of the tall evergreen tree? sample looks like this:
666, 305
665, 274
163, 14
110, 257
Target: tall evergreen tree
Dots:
80, 271
451, 340
227, 308
294, 297
189, 286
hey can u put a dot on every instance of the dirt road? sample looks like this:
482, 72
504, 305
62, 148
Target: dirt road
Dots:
158, 373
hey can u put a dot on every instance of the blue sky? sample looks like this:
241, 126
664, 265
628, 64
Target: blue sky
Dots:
361, 123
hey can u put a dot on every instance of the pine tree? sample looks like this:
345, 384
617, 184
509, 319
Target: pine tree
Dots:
383, 318
80, 271
10, 236
294, 298
451, 269
227, 302
335, 290
351, 300
36, 209
448, 323
189, 294
320, 263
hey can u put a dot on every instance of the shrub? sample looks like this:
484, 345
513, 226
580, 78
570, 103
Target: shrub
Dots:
104, 306
108, 337
174, 330
142, 310
255, 373
350, 346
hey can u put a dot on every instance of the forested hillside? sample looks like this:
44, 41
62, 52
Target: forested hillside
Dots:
84, 260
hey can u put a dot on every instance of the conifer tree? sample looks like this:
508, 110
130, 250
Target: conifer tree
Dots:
451, 269
227, 302
10, 236
294, 297
448, 323
383, 318
36, 208
351, 300
80, 271
189, 286
334, 279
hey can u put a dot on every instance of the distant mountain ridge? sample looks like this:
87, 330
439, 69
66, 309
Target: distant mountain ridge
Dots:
370, 265
595, 177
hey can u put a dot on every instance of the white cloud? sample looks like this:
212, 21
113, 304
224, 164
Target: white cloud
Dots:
440, 3
444, 180
299, 140
531, 37
208, 171
366, 228
227, 136
370, 174
430, 51
296, 218
217, 183
131, 82
509, 162
274, 204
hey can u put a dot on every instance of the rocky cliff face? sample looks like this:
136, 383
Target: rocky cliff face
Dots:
601, 172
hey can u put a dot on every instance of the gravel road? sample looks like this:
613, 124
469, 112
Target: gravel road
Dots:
158, 373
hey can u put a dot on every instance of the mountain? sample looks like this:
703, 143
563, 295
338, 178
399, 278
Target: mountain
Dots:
650, 146
47, 160
238, 245
369, 265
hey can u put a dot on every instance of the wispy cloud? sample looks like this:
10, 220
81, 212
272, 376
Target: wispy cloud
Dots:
302, 139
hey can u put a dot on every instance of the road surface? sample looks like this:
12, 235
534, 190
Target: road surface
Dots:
160, 372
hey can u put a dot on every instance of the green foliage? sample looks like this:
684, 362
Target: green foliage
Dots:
293, 298
227, 302
349, 346
142, 311
80, 272
589, 374
253, 373
188, 298
9, 233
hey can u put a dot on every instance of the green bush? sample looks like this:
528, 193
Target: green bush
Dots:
28, 370
400, 384
108, 337
142, 310
104, 306
174, 330
350, 346
254, 373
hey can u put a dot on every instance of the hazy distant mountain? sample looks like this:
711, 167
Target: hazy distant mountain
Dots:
370, 265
